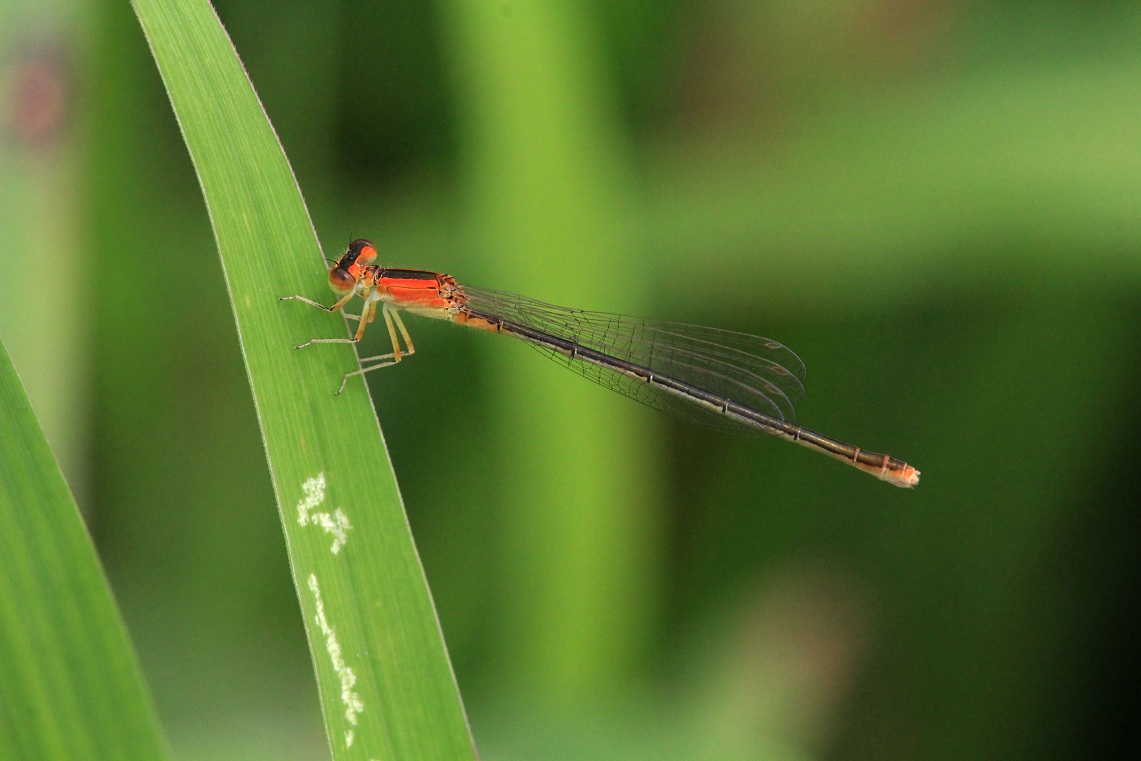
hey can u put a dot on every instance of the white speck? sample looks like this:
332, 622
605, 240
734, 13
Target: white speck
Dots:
336, 523
314, 490
349, 698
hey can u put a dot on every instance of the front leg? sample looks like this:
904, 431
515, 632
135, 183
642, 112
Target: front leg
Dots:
336, 307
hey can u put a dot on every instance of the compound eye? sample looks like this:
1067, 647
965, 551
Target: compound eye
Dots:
341, 281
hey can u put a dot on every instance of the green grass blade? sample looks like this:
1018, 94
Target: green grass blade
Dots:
386, 685
70, 686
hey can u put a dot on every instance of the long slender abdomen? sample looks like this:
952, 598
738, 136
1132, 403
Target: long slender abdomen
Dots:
882, 466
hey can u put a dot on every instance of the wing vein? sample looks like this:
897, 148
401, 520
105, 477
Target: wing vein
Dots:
754, 372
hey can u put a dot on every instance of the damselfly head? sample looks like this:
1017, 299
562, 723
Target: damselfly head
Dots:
348, 270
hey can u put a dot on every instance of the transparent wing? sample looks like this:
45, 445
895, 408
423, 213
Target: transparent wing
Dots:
754, 372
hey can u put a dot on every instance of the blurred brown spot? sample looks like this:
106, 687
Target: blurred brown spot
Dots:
896, 35
752, 65
37, 97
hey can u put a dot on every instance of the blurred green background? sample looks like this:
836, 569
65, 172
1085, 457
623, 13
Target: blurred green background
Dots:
936, 203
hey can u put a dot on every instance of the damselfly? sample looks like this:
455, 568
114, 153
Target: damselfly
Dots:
724, 380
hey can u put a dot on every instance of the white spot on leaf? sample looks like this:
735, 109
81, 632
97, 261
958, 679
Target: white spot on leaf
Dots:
335, 523
349, 698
